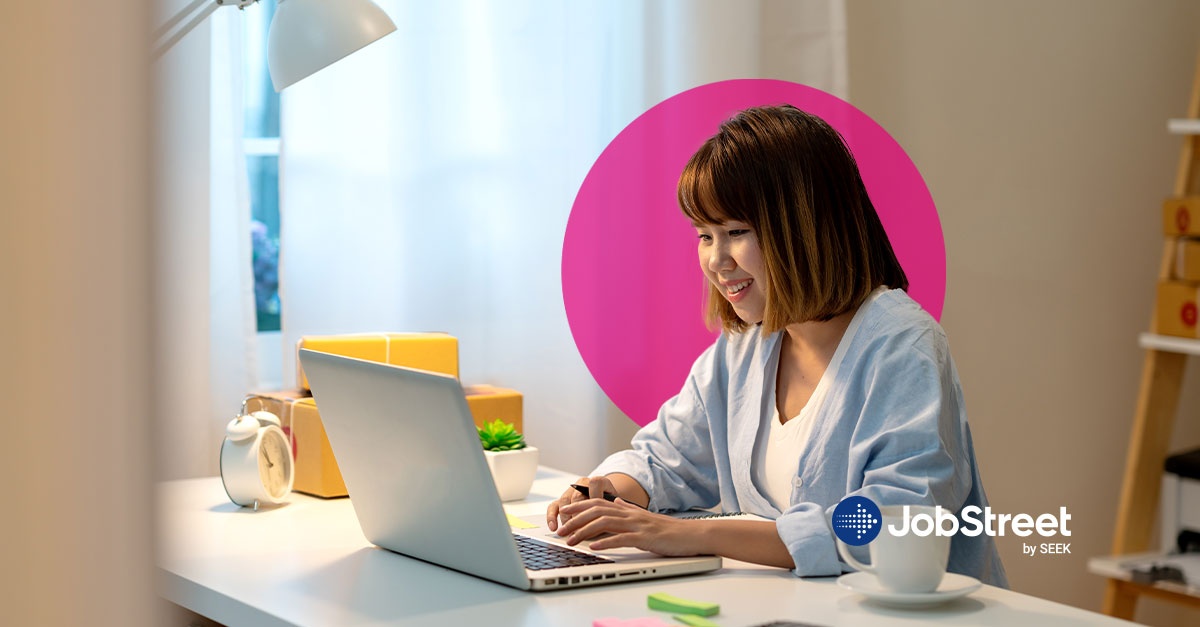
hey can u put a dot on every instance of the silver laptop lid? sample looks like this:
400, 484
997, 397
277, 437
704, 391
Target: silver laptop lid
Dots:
409, 453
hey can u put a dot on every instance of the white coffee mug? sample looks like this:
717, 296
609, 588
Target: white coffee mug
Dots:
908, 563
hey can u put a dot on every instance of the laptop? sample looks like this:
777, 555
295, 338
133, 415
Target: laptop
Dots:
408, 450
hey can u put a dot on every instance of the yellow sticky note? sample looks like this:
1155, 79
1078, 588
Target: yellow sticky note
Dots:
513, 521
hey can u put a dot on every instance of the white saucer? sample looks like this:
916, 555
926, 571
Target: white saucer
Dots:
952, 587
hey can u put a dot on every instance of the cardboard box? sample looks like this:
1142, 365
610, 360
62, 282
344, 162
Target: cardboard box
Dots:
1187, 259
1181, 216
489, 403
436, 352
1175, 311
278, 402
316, 469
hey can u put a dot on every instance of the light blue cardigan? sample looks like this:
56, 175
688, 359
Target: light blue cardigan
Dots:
892, 428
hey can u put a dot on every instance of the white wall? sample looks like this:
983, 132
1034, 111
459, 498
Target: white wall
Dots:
1040, 130
75, 312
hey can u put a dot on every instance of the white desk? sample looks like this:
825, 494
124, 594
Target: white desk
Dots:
307, 563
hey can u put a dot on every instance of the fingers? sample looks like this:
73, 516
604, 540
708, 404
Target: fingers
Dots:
554, 516
616, 541
599, 486
595, 521
575, 515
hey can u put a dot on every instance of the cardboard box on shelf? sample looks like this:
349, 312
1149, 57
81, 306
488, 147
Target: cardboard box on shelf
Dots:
436, 352
1181, 216
489, 403
1187, 259
1175, 311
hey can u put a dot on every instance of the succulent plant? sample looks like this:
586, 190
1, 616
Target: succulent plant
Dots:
500, 436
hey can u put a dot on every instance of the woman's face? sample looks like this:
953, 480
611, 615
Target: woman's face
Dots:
732, 261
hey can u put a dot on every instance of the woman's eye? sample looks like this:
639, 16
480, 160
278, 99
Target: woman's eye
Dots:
705, 237
737, 232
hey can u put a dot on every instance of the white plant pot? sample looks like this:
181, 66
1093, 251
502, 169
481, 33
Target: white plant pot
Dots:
513, 471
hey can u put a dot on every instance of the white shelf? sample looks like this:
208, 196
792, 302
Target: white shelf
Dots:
1121, 567
1184, 126
1169, 343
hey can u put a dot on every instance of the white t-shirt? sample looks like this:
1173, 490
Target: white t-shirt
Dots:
776, 461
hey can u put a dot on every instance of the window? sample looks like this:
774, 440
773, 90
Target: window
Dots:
261, 141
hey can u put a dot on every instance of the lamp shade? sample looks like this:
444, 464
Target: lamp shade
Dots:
307, 35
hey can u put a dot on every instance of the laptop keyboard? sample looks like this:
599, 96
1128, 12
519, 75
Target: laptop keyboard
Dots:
538, 555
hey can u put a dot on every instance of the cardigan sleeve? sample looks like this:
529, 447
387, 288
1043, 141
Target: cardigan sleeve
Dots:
906, 446
672, 457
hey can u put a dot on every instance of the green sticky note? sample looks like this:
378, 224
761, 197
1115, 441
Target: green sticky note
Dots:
694, 621
513, 521
664, 602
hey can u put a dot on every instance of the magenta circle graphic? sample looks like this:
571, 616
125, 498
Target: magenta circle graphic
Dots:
632, 285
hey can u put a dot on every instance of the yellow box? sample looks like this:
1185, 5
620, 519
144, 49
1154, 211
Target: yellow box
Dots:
1175, 312
436, 352
1181, 216
317, 471
489, 403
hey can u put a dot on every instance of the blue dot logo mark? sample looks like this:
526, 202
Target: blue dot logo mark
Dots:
856, 520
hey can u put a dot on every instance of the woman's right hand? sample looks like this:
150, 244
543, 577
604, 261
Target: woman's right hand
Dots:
597, 488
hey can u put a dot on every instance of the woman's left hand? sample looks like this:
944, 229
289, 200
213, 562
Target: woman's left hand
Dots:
628, 525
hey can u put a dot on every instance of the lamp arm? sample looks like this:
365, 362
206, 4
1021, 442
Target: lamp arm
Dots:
163, 45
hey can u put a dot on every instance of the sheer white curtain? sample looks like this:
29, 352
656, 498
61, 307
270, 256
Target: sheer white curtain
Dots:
233, 349
204, 280
426, 181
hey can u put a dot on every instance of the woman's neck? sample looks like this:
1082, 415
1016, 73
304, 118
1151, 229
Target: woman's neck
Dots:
817, 338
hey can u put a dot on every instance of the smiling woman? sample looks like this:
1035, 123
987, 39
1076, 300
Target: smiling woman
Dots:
828, 381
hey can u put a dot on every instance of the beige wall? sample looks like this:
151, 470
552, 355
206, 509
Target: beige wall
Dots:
1040, 130
75, 352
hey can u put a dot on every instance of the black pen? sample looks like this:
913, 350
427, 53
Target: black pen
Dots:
584, 491
608, 496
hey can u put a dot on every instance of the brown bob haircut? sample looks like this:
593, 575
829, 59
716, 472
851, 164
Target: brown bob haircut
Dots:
790, 176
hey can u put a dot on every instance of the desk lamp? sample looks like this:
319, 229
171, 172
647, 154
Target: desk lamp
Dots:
306, 35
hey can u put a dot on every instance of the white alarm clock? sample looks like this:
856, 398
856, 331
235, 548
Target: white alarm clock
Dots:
256, 460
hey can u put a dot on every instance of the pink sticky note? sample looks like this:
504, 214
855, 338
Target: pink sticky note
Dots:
646, 621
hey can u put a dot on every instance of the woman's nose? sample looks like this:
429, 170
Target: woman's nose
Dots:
719, 259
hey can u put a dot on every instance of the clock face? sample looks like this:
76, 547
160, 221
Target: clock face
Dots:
275, 463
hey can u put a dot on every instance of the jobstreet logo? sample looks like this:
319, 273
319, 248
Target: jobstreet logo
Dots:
857, 521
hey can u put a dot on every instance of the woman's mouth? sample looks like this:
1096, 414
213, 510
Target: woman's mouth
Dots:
737, 291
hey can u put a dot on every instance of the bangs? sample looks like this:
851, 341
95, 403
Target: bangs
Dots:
697, 192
